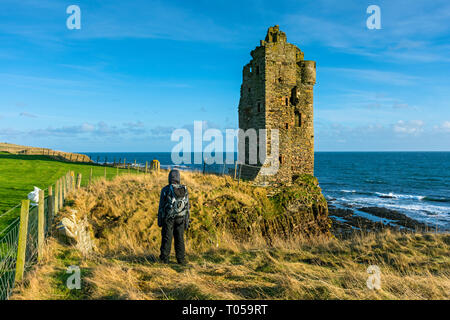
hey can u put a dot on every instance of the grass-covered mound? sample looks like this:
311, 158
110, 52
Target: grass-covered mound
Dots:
126, 209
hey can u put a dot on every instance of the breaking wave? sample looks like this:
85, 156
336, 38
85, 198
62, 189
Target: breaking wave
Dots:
392, 195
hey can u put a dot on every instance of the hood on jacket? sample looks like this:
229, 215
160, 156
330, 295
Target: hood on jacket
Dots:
174, 176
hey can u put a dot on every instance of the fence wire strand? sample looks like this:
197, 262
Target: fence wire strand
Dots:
9, 240
8, 253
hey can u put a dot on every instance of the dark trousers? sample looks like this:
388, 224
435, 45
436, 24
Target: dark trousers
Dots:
172, 228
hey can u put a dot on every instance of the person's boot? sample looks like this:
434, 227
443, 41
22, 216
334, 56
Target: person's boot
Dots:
164, 259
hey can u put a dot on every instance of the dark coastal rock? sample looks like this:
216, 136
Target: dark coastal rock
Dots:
400, 218
353, 221
343, 213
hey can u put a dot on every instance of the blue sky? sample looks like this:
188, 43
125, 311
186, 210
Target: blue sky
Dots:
139, 69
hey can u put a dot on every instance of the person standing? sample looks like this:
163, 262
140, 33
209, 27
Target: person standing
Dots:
173, 217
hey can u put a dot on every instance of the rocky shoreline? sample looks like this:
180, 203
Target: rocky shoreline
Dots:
348, 220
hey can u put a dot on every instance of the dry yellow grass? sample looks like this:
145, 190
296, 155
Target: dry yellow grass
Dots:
226, 266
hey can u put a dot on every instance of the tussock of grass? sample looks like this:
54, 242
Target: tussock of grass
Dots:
226, 264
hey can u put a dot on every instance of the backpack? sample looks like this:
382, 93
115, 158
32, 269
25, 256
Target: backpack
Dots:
176, 201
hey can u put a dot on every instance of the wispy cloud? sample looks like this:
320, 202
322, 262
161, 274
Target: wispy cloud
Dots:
117, 20
27, 114
444, 127
410, 32
163, 21
387, 77
162, 131
407, 135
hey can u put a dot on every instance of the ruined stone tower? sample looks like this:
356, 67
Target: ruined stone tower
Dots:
277, 92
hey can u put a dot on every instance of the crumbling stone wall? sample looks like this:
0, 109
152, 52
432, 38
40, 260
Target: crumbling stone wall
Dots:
277, 92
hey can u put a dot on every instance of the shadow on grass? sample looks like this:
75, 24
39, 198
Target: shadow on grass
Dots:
259, 292
184, 292
70, 257
140, 259
60, 278
43, 158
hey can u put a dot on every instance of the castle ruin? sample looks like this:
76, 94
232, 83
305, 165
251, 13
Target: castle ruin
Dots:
277, 92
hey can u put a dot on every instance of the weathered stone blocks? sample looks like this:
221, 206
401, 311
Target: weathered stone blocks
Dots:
277, 93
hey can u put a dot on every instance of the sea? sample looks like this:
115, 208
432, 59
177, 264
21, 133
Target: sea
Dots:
416, 184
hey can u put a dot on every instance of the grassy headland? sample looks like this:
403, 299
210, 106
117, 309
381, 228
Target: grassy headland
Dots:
20, 173
54, 154
243, 244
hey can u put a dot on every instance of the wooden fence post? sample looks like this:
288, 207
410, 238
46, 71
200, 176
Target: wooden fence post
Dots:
117, 171
49, 207
41, 223
105, 173
235, 169
240, 169
79, 181
68, 184
22, 244
146, 167
90, 177
135, 165
56, 208
64, 179
61, 190
72, 176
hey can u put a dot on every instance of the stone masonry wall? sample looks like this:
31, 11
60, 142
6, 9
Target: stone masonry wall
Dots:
277, 92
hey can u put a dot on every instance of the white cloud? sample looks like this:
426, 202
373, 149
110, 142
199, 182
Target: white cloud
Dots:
413, 127
444, 127
86, 127
138, 124
372, 75
27, 114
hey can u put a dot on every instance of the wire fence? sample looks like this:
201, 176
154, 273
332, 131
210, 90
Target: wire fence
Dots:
238, 171
22, 240
8, 254
32, 238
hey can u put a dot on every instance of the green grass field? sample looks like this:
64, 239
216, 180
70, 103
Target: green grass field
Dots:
20, 173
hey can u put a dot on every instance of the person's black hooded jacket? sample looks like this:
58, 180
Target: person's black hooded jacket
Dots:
174, 179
